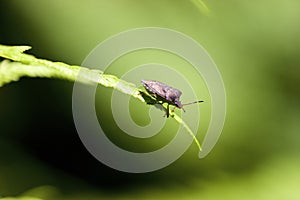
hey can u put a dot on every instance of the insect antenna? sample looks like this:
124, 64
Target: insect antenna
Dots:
192, 103
186, 104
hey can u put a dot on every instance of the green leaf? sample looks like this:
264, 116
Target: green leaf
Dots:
30, 66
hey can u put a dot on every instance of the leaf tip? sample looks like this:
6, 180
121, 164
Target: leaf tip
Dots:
21, 49
202, 7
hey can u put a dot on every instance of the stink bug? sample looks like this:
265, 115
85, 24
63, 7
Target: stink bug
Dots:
165, 94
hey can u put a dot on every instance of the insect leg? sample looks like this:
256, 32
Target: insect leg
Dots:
168, 111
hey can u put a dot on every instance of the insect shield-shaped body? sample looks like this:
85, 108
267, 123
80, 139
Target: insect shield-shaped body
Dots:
165, 94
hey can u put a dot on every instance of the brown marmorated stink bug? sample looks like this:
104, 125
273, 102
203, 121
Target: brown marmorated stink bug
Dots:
165, 94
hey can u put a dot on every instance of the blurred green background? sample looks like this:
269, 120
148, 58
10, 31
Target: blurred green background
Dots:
256, 46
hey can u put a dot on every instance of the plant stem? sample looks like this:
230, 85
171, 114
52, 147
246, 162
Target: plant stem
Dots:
28, 65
